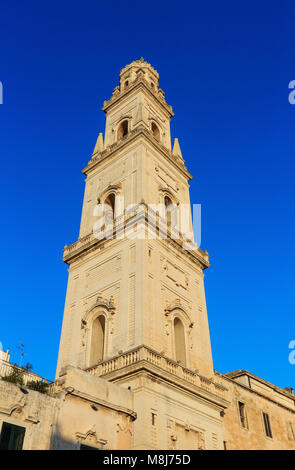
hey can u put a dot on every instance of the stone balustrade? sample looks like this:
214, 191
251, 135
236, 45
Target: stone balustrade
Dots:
143, 353
6, 368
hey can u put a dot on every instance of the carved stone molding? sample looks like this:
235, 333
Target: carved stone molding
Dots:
90, 437
106, 304
116, 188
201, 443
18, 411
176, 305
124, 425
175, 426
167, 191
174, 273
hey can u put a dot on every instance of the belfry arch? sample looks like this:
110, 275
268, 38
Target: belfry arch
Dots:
111, 197
97, 325
179, 326
123, 129
97, 341
179, 341
155, 131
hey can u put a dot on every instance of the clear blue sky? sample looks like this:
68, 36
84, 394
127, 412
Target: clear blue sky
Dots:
225, 67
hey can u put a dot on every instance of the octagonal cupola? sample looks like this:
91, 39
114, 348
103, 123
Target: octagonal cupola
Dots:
139, 68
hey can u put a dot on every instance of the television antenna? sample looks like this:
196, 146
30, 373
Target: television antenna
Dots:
21, 348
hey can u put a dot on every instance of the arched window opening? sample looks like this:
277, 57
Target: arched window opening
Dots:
123, 129
126, 84
168, 203
168, 209
155, 131
97, 340
179, 342
110, 201
109, 213
109, 210
152, 85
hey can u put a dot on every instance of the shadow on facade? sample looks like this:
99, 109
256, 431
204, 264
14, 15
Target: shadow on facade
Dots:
57, 442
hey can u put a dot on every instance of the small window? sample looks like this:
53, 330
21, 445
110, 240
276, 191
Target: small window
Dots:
155, 131
168, 210
267, 426
123, 129
224, 445
12, 437
242, 413
291, 435
179, 342
126, 84
97, 340
168, 203
154, 419
109, 212
110, 203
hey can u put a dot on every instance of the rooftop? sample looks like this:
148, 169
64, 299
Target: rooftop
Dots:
239, 373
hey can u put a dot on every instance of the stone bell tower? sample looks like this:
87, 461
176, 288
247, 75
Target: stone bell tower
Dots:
135, 310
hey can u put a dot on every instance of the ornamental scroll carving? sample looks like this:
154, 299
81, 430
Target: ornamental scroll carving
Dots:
124, 424
105, 306
90, 437
19, 411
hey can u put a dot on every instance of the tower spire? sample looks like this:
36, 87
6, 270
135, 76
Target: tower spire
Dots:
176, 149
99, 144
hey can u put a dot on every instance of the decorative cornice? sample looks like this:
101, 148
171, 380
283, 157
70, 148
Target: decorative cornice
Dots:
105, 404
113, 149
89, 243
139, 82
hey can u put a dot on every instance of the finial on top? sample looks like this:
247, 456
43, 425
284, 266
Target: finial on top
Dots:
176, 149
99, 144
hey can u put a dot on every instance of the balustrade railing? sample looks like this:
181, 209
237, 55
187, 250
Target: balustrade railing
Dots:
6, 368
142, 353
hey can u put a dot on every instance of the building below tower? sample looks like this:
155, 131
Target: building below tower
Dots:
81, 410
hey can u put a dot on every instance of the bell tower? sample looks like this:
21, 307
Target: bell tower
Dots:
135, 310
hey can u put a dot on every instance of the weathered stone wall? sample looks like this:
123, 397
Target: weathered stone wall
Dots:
82, 409
172, 414
93, 412
253, 436
32, 410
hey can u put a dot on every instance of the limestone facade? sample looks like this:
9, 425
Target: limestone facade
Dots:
135, 366
78, 410
258, 397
